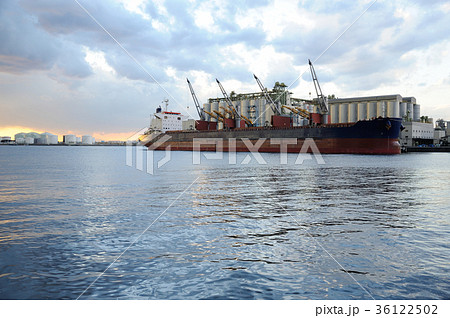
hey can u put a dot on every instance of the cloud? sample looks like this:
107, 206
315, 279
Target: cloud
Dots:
49, 41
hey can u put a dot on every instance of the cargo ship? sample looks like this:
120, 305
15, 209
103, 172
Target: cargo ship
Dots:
273, 121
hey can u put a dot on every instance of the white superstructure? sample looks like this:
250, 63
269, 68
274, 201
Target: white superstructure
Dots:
165, 120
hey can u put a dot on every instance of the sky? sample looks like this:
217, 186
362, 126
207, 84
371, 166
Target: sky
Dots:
103, 67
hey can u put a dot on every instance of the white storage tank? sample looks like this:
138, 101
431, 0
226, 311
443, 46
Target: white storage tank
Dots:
48, 139
409, 111
222, 107
334, 113
372, 110
20, 140
381, 109
393, 109
353, 113
29, 140
343, 113
70, 139
244, 107
214, 107
416, 112
402, 110
362, 111
207, 107
87, 140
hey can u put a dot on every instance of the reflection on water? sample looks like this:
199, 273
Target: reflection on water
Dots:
240, 232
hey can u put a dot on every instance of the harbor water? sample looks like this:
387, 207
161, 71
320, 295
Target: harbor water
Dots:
78, 222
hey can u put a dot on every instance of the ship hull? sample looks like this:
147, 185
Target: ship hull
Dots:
375, 137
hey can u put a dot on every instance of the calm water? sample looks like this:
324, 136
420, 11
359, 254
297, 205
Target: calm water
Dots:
238, 232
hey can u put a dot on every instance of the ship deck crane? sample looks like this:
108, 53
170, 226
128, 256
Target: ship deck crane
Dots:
323, 103
303, 113
228, 100
197, 104
274, 107
227, 110
213, 115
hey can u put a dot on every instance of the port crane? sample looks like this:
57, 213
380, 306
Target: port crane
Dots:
323, 103
197, 104
275, 108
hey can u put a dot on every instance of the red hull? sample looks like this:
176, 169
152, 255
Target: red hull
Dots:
369, 146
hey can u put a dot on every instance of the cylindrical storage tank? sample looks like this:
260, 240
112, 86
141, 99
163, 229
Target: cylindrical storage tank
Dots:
29, 140
390, 109
416, 112
86, 140
362, 111
222, 107
402, 110
334, 112
252, 111
268, 114
220, 125
372, 110
393, 109
381, 109
214, 107
409, 111
260, 105
353, 113
343, 113
70, 139
396, 109
207, 107
244, 107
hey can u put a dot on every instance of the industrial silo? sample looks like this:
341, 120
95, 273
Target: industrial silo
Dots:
261, 111
392, 109
381, 109
416, 112
343, 113
409, 111
372, 110
268, 113
334, 112
207, 107
222, 106
402, 110
214, 107
352, 112
244, 107
362, 111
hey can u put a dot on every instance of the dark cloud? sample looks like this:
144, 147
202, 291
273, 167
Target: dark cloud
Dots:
51, 36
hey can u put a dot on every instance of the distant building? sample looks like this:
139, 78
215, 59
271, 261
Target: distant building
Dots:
5, 140
417, 133
439, 134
